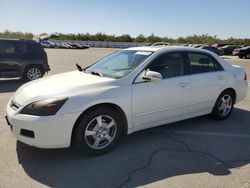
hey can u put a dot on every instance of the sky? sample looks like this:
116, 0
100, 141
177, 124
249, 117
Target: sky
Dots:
164, 18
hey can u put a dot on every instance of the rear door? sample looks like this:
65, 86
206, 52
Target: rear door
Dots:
207, 78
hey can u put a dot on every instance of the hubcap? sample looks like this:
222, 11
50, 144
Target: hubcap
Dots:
34, 73
225, 105
100, 132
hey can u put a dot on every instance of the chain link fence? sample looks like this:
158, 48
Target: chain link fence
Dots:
104, 44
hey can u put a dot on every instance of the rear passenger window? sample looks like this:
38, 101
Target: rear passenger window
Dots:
9, 48
13, 47
201, 63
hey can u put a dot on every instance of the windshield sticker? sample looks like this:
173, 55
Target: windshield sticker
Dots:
143, 53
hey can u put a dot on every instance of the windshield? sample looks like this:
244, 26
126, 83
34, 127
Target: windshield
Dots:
119, 64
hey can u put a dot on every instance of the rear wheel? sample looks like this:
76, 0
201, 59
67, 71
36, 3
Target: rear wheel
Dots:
223, 106
33, 72
98, 131
248, 56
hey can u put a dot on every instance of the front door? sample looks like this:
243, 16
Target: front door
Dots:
158, 102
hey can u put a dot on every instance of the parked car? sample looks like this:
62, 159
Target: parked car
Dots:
228, 50
160, 44
78, 46
198, 45
242, 52
66, 45
130, 90
47, 44
219, 45
84, 46
218, 51
58, 45
22, 58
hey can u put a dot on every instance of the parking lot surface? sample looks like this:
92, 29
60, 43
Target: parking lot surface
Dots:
198, 152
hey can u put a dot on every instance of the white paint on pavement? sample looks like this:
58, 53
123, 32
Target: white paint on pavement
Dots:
203, 133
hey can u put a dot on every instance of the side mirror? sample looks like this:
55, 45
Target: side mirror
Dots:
152, 76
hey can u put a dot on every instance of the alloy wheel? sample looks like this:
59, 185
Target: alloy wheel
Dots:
225, 105
100, 132
34, 73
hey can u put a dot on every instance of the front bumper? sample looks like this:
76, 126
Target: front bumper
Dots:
48, 131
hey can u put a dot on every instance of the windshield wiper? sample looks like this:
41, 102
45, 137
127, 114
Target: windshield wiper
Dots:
79, 67
96, 73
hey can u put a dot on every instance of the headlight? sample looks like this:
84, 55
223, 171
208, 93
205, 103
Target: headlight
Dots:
44, 107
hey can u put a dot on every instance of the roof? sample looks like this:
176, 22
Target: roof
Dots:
156, 48
170, 48
11, 39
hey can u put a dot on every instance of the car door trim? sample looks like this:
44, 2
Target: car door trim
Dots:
160, 110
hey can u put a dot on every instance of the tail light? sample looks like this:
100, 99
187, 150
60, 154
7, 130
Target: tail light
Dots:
245, 78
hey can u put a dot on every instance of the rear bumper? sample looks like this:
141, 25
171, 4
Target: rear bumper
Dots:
241, 90
46, 68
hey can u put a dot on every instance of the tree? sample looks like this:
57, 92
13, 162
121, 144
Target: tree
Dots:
194, 39
152, 38
140, 38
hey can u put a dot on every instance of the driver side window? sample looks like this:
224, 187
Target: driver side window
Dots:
168, 65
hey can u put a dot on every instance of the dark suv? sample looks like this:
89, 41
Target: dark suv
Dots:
22, 58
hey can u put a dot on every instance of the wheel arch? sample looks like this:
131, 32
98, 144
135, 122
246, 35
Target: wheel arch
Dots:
231, 90
30, 65
112, 105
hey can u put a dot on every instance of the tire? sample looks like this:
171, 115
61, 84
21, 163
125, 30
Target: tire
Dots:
98, 131
223, 106
247, 56
240, 56
33, 72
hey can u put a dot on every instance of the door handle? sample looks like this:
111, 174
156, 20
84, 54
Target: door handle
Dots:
220, 77
183, 84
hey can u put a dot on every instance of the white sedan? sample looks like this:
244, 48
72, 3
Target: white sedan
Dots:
130, 90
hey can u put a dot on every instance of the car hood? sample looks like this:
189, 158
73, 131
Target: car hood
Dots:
59, 85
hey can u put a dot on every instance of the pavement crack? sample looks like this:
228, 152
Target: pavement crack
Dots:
187, 149
197, 151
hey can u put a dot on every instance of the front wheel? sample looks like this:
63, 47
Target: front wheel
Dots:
223, 106
98, 131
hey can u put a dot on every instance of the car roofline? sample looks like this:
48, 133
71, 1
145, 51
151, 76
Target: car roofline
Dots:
168, 48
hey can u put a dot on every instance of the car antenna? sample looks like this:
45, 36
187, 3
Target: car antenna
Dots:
79, 67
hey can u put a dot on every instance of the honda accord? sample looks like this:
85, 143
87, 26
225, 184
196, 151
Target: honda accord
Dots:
130, 90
